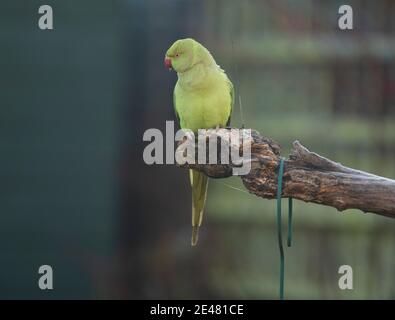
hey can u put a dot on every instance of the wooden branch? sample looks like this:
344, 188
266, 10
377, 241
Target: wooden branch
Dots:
307, 176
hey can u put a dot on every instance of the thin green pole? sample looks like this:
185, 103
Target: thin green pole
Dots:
279, 231
289, 242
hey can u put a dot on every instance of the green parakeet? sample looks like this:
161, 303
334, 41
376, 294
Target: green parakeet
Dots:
203, 99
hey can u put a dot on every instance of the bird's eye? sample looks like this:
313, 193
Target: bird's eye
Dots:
177, 54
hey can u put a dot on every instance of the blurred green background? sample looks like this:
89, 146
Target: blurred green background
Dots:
75, 193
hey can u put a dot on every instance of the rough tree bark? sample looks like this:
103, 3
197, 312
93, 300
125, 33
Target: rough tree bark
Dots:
307, 176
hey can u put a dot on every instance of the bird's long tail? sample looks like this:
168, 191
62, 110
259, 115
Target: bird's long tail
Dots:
199, 183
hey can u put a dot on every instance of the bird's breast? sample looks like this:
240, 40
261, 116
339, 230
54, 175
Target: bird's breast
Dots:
203, 108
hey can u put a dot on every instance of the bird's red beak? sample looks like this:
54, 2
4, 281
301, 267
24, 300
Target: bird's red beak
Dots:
168, 63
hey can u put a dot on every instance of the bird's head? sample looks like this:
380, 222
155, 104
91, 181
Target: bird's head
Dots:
185, 54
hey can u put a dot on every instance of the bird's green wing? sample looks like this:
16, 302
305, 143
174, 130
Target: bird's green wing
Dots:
232, 97
175, 107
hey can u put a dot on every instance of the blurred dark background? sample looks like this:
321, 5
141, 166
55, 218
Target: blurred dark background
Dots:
76, 194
